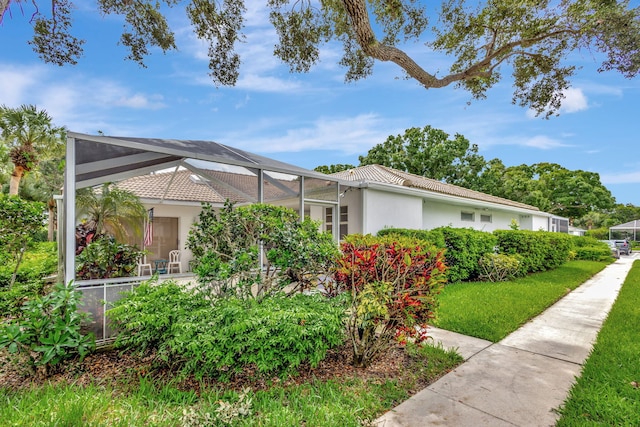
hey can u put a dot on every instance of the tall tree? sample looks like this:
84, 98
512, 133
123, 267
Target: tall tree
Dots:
431, 153
110, 210
29, 136
329, 169
531, 39
553, 188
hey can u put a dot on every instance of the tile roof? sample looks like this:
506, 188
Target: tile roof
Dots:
181, 186
386, 175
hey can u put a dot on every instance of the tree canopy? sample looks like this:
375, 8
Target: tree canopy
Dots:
532, 40
429, 152
432, 153
548, 186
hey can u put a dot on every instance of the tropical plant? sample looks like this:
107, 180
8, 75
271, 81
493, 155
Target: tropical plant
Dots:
48, 330
110, 210
104, 258
392, 285
226, 247
30, 136
532, 40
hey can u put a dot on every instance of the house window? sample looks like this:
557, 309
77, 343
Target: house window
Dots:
344, 220
485, 218
467, 216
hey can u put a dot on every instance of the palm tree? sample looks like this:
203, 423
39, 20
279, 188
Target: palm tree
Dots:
110, 210
29, 136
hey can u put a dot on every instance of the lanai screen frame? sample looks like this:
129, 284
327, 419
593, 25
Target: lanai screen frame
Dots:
95, 159
628, 227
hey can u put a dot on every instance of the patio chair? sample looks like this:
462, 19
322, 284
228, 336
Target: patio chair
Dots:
143, 265
174, 261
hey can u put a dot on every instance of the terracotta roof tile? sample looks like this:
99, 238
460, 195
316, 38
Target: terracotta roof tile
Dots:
386, 175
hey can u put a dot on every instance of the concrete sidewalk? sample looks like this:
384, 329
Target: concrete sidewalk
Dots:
521, 380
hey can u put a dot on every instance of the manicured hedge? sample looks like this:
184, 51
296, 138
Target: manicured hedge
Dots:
540, 250
464, 248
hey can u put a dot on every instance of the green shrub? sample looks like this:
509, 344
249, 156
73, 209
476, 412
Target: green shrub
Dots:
540, 250
499, 267
273, 335
392, 284
39, 262
464, 247
590, 249
104, 258
48, 330
20, 220
225, 246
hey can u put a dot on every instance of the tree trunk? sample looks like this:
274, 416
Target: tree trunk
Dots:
16, 176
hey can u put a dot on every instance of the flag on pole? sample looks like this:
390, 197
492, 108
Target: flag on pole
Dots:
148, 229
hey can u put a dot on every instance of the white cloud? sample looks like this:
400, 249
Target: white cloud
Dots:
348, 135
140, 101
622, 178
574, 101
543, 142
15, 82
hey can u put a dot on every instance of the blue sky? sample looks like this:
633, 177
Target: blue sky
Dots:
313, 119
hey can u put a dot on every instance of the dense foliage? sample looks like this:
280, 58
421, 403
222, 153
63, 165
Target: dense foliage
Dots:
431, 153
48, 331
540, 250
590, 249
531, 40
226, 245
219, 338
20, 221
464, 247
392, 284
104, 258
38, 263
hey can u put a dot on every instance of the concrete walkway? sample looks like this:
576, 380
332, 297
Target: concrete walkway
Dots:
524, 378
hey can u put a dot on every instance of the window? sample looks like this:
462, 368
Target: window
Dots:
485, 218
467, 216
344, 220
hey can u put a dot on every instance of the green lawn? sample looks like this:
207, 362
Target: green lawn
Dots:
608, 390
487, 310
493, 310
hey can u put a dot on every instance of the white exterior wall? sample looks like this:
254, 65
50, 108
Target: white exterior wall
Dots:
186, 215
353, 200
384, 209
438, 214
540, 223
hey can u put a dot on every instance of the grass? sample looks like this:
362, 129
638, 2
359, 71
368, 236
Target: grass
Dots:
346, 402
486, 310
608, 391
493, 310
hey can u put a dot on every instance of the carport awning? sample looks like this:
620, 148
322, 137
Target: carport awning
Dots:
101, 159
631, 228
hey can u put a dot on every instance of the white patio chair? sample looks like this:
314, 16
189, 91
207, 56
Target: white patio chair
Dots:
174, 261
143, 265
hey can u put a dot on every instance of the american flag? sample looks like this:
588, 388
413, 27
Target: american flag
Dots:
148, 229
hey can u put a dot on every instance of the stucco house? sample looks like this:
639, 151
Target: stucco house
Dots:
380, 197
370, 198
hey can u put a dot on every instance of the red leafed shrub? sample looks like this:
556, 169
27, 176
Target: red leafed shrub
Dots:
392, 284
